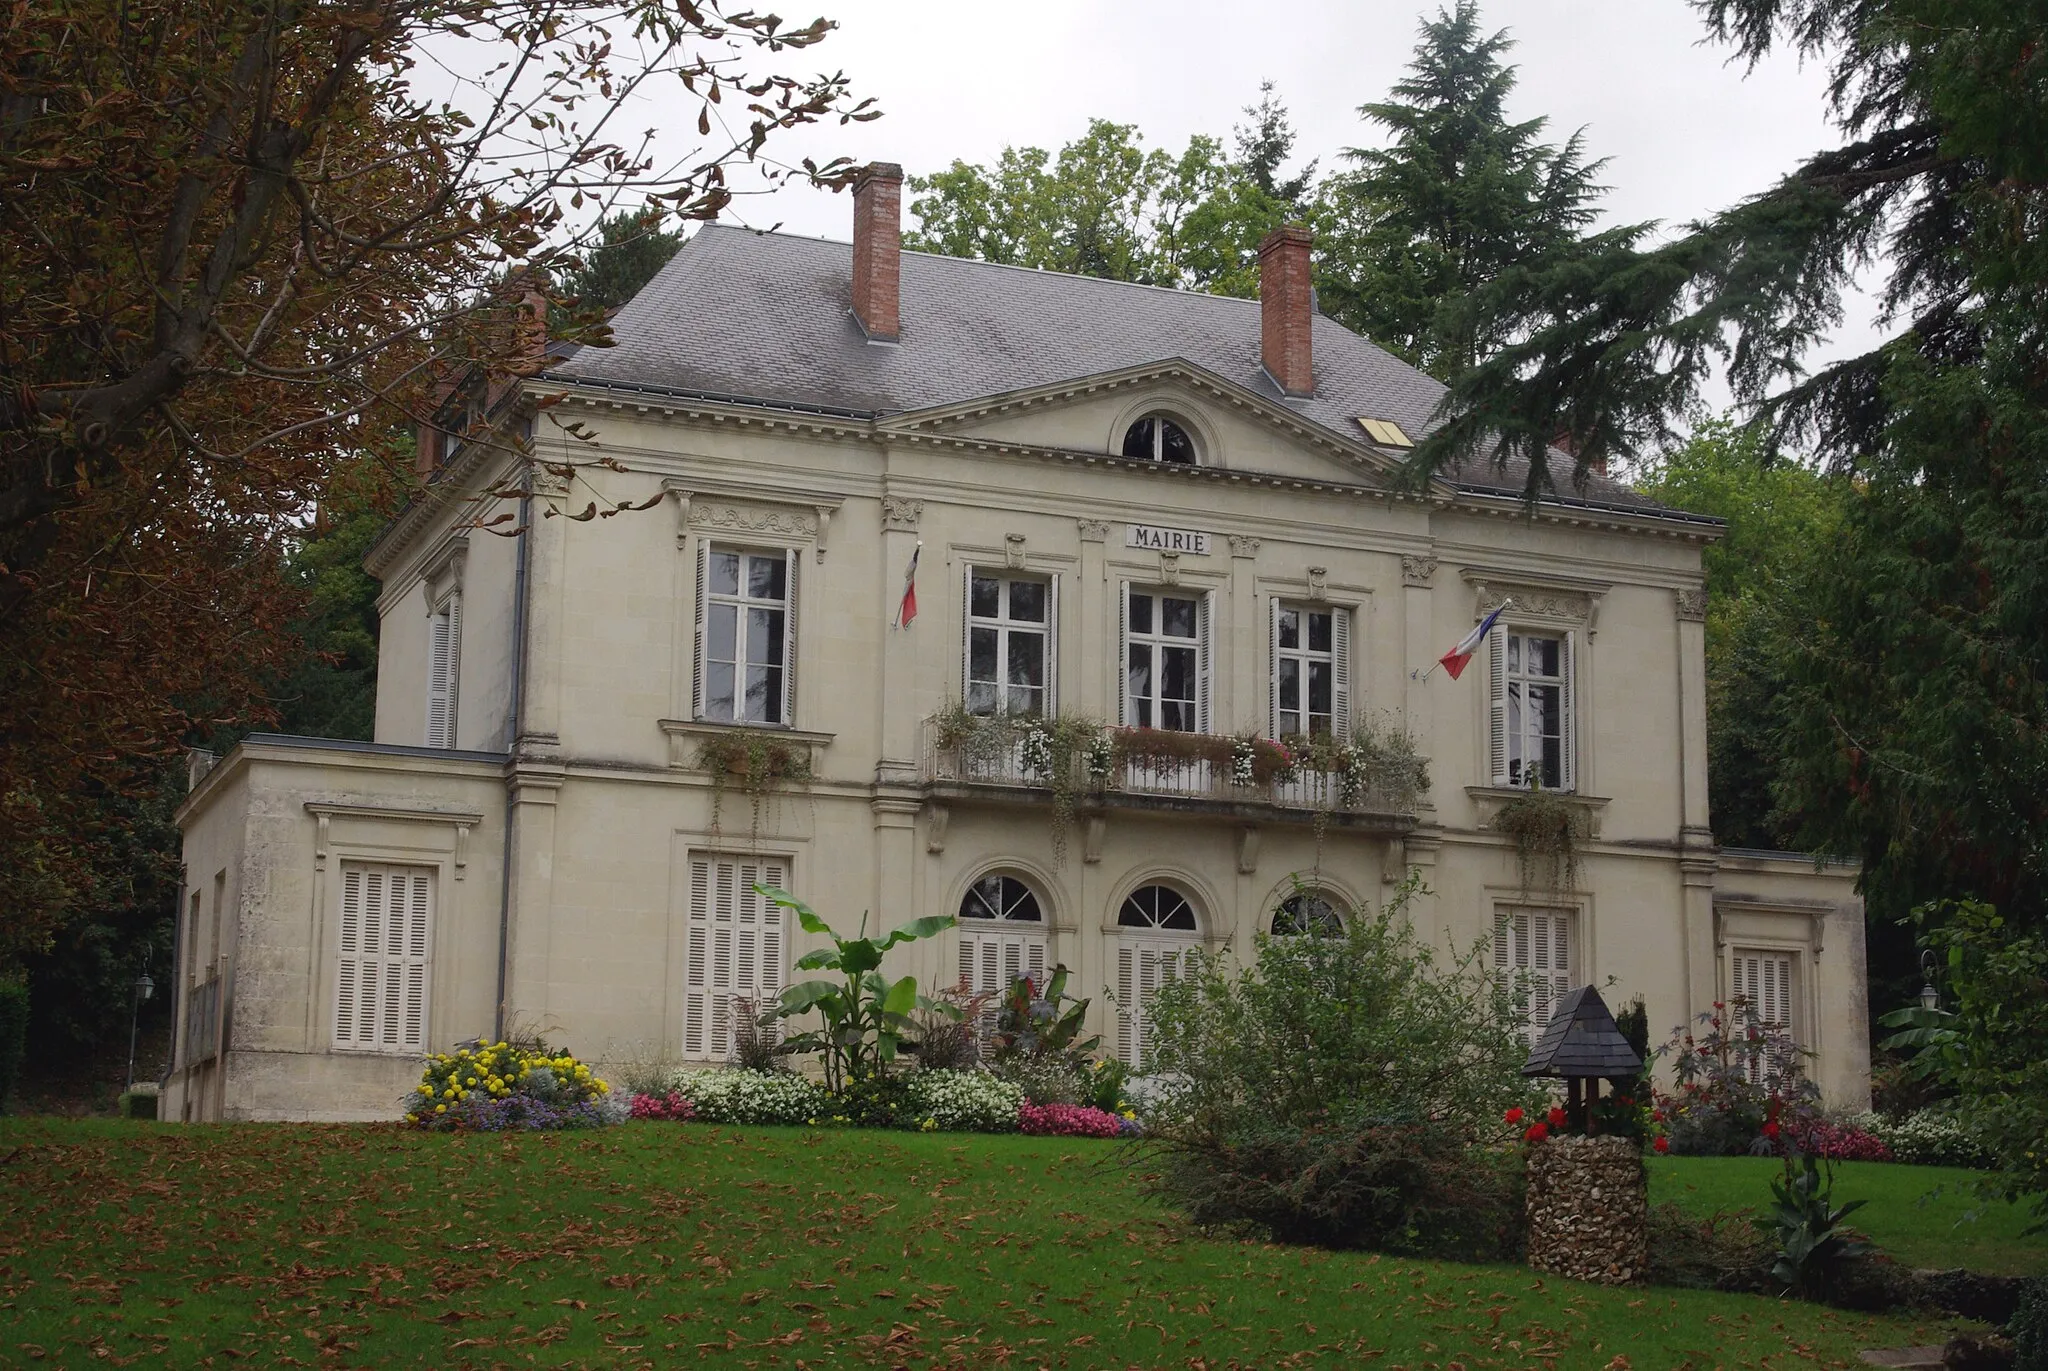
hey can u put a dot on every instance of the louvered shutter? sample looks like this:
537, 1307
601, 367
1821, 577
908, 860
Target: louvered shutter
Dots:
1273, 668
1497, 710
1776, 990
1340, 672
1144, 965
1568, 707
1535, 945
1204, 626
382, 963
734, 948
967, 634
1123, 654
1127, 1004
1052, 648
439, 643
795, 560
453, 692
697, 671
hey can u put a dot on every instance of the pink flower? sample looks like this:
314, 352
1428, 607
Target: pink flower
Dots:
1067, 1120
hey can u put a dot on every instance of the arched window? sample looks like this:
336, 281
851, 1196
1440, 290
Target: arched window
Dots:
1308, 911
1000, 897
1157, 906
1156, 438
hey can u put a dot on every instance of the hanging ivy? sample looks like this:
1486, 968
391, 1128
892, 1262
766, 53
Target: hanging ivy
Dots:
1546, 829
757, 761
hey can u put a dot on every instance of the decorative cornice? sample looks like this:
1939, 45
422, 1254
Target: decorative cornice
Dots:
721, 516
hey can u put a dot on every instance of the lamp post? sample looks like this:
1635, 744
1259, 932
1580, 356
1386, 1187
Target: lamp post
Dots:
144, 988
1930, 998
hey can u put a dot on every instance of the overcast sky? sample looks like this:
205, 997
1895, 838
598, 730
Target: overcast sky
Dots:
1686, 132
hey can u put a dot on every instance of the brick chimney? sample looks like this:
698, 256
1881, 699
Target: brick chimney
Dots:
1287, 309
878, 250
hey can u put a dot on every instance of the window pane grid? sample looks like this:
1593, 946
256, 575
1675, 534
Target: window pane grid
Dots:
745, 635
1007, 645
1163, 661
1305, 671
1535, 710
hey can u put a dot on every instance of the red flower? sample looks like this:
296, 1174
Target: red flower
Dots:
1557, 1118
1537, 1133
1513, 1115
1662, 1144
1771, 1130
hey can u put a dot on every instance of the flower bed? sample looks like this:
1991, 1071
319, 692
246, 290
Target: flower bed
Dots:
751, 1097
670, 1106
497, 1086
965, 1101
1068, 1121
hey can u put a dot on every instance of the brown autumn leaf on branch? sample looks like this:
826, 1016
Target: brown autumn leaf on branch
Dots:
243, 245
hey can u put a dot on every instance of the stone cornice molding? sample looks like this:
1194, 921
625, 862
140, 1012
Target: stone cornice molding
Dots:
324, 814
705, 505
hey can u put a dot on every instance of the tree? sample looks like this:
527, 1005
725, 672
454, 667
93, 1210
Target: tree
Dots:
1781, 518
630, 249
1263, 147
239, 244
1108, 206
1458, 196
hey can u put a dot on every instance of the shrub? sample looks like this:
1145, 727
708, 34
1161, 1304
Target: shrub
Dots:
1815, 1248
1837, 1142
751, 1097
1067, 1120
1931, 1137
492, 1087
1044, 1080
1722, 1252
965, 1101
875, 1102
1105, 1086
139, 1103
668, 1106
1344, 1089
1740, 1086
2028, 1329
13, 1035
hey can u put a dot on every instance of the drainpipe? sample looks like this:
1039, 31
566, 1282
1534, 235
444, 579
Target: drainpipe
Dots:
511, 746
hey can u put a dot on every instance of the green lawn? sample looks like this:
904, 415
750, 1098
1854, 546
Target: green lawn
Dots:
666, 1245
1923, 1215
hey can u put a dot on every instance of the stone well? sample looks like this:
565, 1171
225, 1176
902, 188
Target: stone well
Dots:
1589, 1209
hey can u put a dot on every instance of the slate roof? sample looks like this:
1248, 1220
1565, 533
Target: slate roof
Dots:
1582, 1040
764, 317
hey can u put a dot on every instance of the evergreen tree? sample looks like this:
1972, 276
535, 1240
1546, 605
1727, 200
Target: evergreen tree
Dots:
631, 247
1263, 147
1458, 195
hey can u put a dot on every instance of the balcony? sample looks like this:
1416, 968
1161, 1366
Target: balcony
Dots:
1017, 762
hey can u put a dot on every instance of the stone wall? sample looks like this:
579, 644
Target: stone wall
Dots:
1589, 1209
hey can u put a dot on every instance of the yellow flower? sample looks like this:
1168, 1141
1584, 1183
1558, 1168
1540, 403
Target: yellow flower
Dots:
440, 1109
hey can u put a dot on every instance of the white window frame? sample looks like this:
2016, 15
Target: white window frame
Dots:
1540, 943
1127, 711
444, 669
994, 952
735, 945
1767, 977
383, 970
741, 602
1504, 682
1003, 626
1146, 959
1338, 658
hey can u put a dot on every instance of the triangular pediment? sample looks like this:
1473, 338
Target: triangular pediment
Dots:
1234, 428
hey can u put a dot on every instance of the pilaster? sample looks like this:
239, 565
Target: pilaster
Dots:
1414, 648
1699, 939
1692, 712
900, 542
532, 791
1094, 618
1246, 704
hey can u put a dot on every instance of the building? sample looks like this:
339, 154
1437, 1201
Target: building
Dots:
1143, 507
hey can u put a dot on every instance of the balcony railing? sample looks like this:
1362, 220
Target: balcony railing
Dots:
1113, 775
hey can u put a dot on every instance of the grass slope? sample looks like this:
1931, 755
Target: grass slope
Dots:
1922, 1215
664, 1245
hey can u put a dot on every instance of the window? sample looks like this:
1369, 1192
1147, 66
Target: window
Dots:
1158, 928
1532, 958
1531, 724
1763, 983
1156, 438
1308, 911
1311, 687
444, 668
1002, 937
733, 948
746, 635
1009, 658
380, 977
1385, 432
1166, 682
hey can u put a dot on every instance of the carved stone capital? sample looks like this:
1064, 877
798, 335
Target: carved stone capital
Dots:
1417, 570
1243, 545
1692, 605
1093, 530
901, 512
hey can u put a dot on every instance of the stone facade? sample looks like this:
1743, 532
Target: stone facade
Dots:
1589, 1209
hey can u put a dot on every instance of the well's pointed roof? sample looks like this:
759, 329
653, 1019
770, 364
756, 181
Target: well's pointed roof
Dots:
1583, 1040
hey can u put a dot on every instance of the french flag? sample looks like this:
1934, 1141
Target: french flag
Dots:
906, 609
1454, 661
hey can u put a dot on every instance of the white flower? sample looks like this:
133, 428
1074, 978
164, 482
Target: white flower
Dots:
749, 1097
966, 1101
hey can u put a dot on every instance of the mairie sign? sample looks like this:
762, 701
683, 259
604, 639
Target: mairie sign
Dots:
1167, 539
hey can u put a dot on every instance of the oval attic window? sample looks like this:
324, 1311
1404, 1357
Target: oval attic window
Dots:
1156, 438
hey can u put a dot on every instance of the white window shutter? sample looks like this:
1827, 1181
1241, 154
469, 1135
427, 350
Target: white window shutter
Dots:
1568, 708
413, 1014
795, 561
1125, 715
734, 948
1340, 673
1497, 709
383, 966
454, 690
1127, 1004
437, 679
697, 672
967, 633
1273, 667
348, 964
1052, 648
697, 962
1204, 625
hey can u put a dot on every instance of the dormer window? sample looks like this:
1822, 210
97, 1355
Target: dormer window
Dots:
1156, 438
